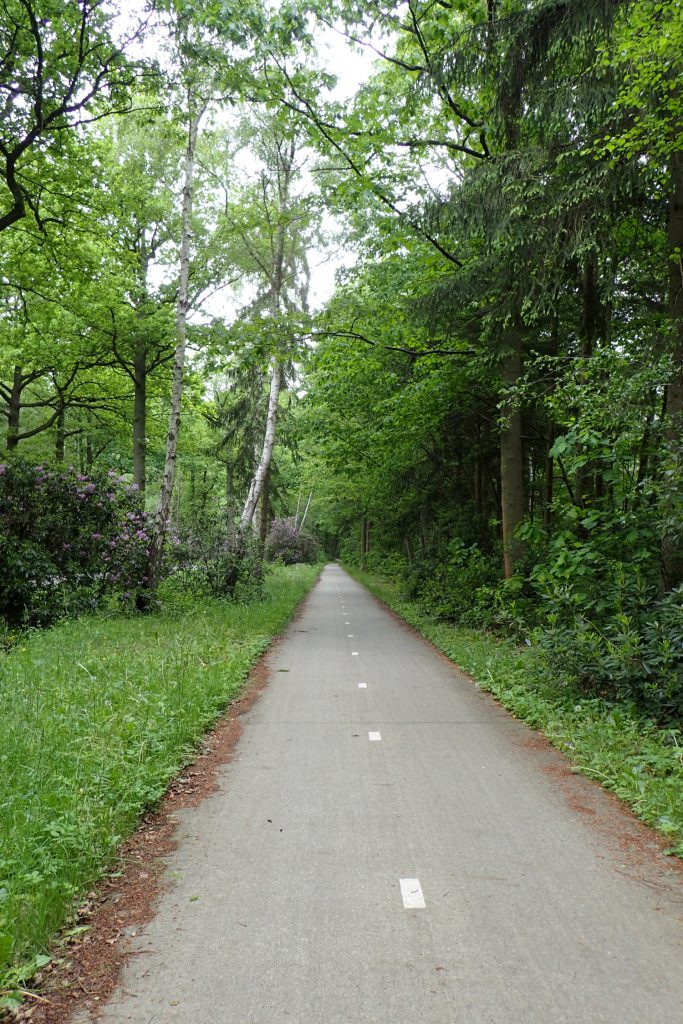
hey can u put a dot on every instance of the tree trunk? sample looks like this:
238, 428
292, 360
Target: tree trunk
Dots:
585, 482
89, 454
140, 414
14, 410
163, 510
308, 505
284, 171
363, 528
264, 516
548, 481
60, 437
672, 540
267, 451
512, 462
478, 491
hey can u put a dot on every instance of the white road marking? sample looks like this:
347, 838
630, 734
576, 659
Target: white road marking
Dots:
362, 686
375, 736
354, 654
350, 636
411, 891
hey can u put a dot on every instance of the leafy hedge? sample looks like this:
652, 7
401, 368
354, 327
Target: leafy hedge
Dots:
68, 539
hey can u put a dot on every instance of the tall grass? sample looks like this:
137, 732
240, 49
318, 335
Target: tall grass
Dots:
96, 716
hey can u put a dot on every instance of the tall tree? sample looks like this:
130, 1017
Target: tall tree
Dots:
60, 67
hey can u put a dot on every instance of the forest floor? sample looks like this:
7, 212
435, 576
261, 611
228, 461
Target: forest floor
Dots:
388, 844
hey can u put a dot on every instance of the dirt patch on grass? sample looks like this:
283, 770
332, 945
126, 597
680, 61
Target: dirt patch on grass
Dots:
639, 848
87, 966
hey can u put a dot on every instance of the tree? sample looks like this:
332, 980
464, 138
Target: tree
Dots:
195, 109
60, 68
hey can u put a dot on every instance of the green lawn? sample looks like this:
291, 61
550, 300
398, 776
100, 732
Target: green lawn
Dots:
612, 743
96, 716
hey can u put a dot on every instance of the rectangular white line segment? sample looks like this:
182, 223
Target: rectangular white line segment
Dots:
354, 654
375, 736
411, 891
350, 636
362, 686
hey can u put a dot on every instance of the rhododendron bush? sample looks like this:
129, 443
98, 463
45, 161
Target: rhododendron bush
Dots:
289, 544
67, 540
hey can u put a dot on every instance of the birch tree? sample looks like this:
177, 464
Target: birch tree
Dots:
195, 109
277, 251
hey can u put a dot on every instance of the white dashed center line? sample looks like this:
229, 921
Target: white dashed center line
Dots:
411, 891
354, 654
362, 686
374, 737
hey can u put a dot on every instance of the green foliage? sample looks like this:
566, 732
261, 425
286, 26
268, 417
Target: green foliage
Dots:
208, 560
633, 655
61, 66
457, 589
69, 540
96, 717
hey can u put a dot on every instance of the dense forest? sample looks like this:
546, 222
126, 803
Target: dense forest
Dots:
488, 407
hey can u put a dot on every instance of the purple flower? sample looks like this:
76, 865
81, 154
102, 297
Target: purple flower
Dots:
96, 536
141, 535
3, 469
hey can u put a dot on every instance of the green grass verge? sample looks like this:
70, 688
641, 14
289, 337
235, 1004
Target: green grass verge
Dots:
96, 716
612, 743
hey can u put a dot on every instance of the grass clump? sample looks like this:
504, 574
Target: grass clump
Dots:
611, 742
96, 716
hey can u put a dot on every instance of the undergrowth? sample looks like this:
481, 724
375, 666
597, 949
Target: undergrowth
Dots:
611, 742
96, 716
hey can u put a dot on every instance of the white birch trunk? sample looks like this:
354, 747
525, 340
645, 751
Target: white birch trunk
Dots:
268, 445
163, 510
276, 370
308, 505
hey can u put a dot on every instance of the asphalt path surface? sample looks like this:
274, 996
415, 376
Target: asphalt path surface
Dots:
402, 852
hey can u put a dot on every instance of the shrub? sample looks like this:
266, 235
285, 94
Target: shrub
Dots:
289, 545
208, 561
69, 540
636, 656
448, 589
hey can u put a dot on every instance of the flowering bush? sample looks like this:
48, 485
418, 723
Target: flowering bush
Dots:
208, 562
67, 540
288, 544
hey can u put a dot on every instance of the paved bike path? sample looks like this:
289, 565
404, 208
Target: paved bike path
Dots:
543, 904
